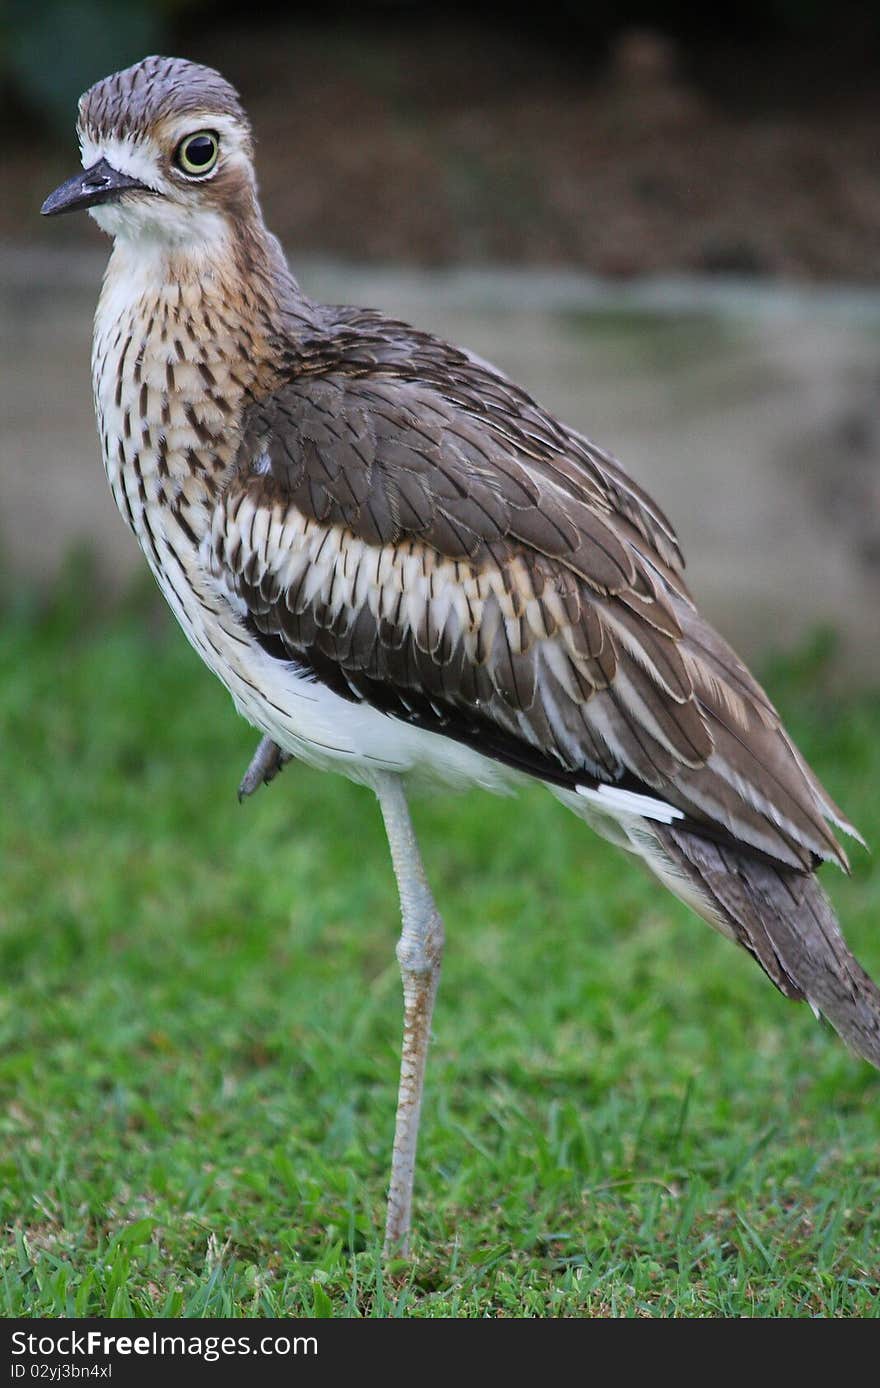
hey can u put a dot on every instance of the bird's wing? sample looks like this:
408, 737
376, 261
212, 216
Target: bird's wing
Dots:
507, 419
498, 586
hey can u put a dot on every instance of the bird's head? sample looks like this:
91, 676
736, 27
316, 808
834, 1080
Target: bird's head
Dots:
167, 156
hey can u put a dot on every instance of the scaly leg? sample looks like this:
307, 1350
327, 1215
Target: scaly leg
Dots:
266, 762
419, 951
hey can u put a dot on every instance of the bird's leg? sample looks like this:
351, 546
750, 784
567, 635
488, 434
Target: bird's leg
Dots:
419, 951
266, 762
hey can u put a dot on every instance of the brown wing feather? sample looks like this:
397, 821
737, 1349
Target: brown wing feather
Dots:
431, 540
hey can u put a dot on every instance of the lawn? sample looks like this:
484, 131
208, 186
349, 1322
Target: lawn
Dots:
201, 1018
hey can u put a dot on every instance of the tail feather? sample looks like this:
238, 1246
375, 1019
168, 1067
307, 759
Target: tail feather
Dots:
784, 919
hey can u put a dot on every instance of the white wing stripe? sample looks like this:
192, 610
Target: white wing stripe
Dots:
615, 800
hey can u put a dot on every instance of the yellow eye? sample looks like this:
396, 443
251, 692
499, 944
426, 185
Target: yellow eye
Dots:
197, 154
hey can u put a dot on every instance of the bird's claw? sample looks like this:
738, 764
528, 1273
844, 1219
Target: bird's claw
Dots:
266, 762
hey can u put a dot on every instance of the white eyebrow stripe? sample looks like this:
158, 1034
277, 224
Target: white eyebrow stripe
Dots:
125, 154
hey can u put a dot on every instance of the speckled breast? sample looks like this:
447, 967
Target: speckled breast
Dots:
171, 378
167, 399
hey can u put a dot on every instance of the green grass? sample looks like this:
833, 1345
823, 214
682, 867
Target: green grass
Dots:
200, 1021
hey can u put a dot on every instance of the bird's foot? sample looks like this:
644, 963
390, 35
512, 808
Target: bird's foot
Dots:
266, 762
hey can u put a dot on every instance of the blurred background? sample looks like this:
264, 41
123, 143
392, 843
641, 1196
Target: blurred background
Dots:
664, 225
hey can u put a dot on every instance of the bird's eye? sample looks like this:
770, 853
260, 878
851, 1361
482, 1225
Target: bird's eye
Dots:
197, 154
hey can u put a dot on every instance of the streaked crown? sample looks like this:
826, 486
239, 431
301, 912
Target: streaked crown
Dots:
151, 92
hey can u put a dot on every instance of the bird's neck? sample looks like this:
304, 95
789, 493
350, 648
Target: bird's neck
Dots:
184, 339
225, 295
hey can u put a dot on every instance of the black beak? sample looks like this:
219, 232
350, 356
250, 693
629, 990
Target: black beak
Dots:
100, 183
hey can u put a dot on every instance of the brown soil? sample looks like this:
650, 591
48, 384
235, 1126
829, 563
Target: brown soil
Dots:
435, 145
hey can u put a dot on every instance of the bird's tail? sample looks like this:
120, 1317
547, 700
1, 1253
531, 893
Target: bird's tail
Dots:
786, 921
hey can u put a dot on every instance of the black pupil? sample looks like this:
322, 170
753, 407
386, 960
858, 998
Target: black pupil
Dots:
199, 150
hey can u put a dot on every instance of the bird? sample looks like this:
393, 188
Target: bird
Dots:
405, 570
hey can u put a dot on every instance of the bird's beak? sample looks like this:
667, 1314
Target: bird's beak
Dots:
100, 183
